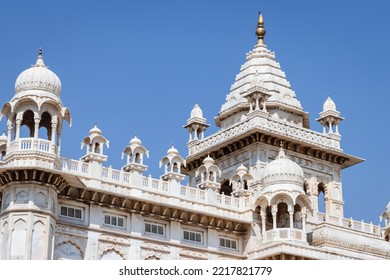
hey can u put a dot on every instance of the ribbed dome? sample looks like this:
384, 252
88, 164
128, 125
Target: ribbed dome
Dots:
329, 105
38, 77
283, 171
196, 112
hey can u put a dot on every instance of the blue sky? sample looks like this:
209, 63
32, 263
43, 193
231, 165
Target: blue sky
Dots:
139, 66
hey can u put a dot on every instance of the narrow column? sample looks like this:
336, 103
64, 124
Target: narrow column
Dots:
9, 136
53, 137
18, 123
263, 220
274, 212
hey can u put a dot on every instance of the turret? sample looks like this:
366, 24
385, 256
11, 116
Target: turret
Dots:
135, 153
172, 163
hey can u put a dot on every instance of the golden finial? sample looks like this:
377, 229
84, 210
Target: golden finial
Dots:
260, 31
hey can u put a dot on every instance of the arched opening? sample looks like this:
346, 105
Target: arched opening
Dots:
27, 125
305, 187
256, 214
226, 188
387, 238
297, 216
137, 158
269, 222
282, 217
321, 197
44, 131
175, 168
245, 185
211, 176
96, 149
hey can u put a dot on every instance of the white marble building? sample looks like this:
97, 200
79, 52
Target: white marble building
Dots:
254, 190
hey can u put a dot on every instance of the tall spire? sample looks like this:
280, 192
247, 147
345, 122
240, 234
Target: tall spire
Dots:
260, 31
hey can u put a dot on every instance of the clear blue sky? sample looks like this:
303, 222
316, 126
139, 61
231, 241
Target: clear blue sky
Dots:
139, 66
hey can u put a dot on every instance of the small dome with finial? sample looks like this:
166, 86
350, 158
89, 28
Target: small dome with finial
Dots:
283, 170
135, 140
95, 130
38, 77
172, 151
208, 160
196, 112
329, 105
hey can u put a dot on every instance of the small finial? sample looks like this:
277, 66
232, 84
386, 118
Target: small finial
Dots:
39, 62
260, 31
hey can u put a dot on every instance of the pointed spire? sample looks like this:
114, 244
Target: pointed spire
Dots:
40, 62
260, 31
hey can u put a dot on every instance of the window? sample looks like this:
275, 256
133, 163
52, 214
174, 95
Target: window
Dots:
228, 243
156, 229
192, 236
71, 212
112, 220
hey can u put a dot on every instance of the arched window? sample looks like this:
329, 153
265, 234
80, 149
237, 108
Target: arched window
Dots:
97, 148
270, 221
297, 217
137, 158
283, 218
226, 188
175, 167
45, 126
305, 187
27, 125
321, 198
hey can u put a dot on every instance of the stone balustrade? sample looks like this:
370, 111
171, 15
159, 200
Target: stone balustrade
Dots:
281, 234
267, 124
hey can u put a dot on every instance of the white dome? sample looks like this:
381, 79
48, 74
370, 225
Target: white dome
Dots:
196, 112
329, 105
95, 130
283, 170
38, 77
208, 160
135, 140
172, 151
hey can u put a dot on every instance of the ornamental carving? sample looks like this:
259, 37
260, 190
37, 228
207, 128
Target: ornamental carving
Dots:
79, 242
105, 247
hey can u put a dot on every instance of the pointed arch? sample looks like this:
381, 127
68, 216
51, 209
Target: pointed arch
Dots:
38, 241
27, 122
19, 239
45, 126
111, 254
68, 251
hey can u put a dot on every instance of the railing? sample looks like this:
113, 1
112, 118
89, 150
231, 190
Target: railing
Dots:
44, 145
272, 125
279, 234
154, 185
348, 223
24, 144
